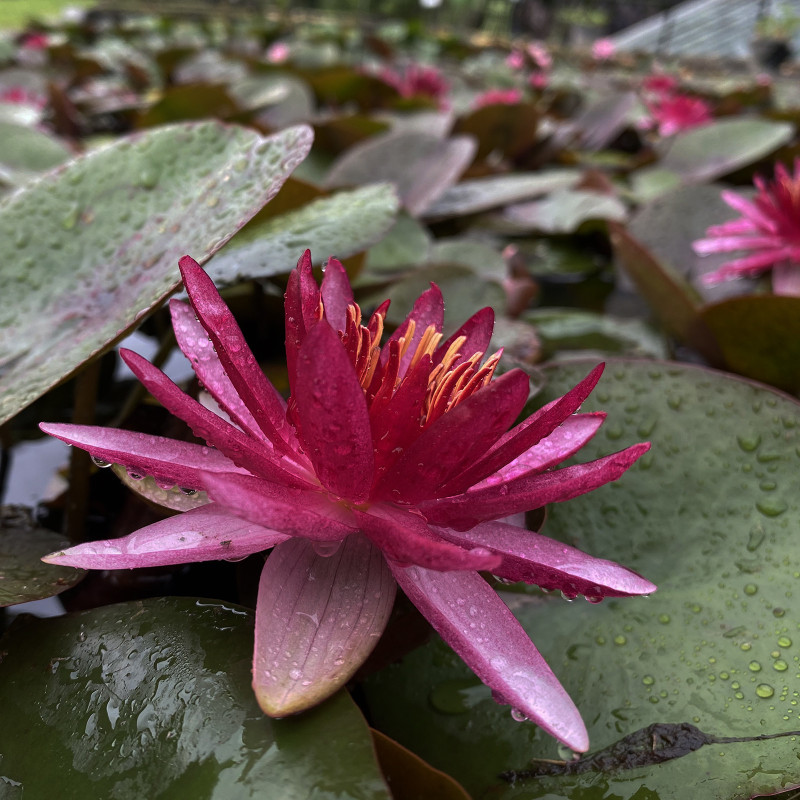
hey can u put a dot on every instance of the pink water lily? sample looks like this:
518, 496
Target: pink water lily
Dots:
392, 464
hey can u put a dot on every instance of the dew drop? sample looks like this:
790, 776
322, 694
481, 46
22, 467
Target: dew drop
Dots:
664, 619
764, 690
754, 666
133, 475
771, 507
648, 680
784, 641
99, 462
326, 549
748, 443
620, 640
780, 665
187, 491
518, 716
750, 589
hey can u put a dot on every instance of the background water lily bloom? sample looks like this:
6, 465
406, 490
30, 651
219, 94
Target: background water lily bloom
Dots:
769, 229
390, 464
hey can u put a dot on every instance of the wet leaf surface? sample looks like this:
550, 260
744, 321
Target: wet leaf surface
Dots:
710, 515
153, 699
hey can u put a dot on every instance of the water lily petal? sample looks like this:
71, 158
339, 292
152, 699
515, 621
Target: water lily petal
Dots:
405, 538
297, 512
463, 511
454, 440
202, 534
525, 435
197, 347
478, 332
302, 305
333, 416
428, 310
475, 622
180, 463
569, 437
317, 620
238, 446
251, 384
533, 558
336, 294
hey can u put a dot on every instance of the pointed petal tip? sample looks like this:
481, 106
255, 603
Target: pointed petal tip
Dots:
54, 558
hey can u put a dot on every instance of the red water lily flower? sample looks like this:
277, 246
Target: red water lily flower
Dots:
675, 113
389, 465
769, 229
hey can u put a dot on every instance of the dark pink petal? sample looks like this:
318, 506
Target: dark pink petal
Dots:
533, 558
475, 622
336, 294
317, 620
428, 310
203, 534
478, 330
455, 440
332, 415
252, 386
243, 450
295, 512
169, 460
405, 539
569, 437
525, 435
197, 347
293, 309
748, 209
463, 511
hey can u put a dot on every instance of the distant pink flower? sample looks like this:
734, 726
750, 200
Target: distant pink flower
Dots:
659, 83
493, 97
540, 55
417, 80
515, 59
603, 49
390, 463
278, 53
679, 112
538, 80
34, 41
17, 95
769, 229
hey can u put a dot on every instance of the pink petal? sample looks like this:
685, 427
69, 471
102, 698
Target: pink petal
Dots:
296, 512
533, 558
748, 209
239, 447
786, 279
168, 460
250, 383
317, 620
332, 415
463, 511
726, 244
197, 347
302, 302
569, 437
336, 294
203, 534
524, 436
476, 623
478, 330
456, 439
428, 310
405, 539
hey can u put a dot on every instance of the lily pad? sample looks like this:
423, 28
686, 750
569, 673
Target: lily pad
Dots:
481, 194
564, 211
23, 575
341, 225
189, 101
89, 250
507, 129
710, 515
406, 244
712, 151
27, 151
153, 699
420, 165
759, 336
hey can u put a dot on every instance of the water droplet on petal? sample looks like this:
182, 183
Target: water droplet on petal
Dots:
100, 462
518, 716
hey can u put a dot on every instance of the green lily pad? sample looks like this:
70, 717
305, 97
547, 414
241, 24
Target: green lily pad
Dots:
89, 250
706, 153
480, 257
711, 516
481, 194
406, 244
759, 336
23, 575
341, 225
27, 151
153, 699
564, 211
420, 165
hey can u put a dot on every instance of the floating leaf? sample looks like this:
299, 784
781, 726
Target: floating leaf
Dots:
187, 102
23, 575
153, 699
706, 153
480, 194
90, 249
27, 151
341, 225
710, 515
506, 129
420, 165
405, 245
564, 211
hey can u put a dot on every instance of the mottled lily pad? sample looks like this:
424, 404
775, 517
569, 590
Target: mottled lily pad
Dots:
89, 250
27, 151
564, 211
710, 515
153, 699
23, 575
341, 225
